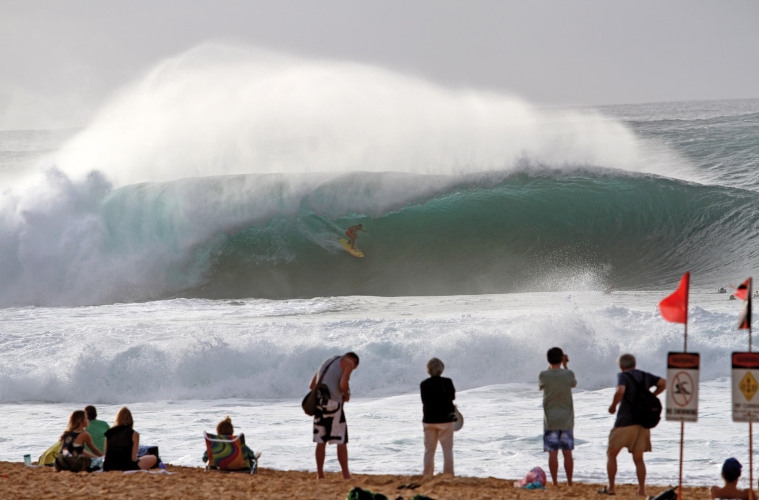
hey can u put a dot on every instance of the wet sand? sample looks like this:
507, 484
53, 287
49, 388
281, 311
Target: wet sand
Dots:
20, 482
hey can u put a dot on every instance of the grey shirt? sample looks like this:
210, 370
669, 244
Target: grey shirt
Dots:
332, 377
558, 407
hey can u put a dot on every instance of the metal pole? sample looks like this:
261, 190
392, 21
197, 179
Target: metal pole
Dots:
680, 479
682, 429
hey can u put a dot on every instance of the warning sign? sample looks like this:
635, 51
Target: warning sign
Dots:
682, 386
748, 386
745, 386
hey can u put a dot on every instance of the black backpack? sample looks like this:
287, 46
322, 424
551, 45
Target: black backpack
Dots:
646, 408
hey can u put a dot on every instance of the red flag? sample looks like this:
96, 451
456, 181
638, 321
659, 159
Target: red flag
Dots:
675, 307
744, 292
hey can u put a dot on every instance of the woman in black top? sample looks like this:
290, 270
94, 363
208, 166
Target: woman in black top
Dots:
122, 443
75, 437
438, 394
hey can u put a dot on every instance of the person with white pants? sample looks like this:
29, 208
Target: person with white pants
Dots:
438, 394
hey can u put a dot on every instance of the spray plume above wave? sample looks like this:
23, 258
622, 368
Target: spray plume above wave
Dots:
220, 110
227, 172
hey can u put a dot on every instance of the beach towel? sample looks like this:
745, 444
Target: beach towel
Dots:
48, 456
228, 454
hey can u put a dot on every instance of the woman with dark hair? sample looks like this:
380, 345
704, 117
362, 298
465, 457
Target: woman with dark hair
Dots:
438, 394
122, 443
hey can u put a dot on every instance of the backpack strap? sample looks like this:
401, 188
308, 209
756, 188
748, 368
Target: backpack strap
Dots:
321, 375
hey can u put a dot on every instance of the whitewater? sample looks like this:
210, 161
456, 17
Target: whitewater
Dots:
179, 255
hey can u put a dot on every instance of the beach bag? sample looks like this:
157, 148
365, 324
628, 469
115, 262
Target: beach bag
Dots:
65, 461
533, 480
318, 396
458, 419
647, 409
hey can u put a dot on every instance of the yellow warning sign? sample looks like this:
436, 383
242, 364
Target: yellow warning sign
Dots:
748, 386
745, 374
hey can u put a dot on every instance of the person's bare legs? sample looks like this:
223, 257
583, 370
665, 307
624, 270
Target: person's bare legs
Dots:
342, 457
553, 465
147, 461
321, 450
569, 465
611, 467
640, 471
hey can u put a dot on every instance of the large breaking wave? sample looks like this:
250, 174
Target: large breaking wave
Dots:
227, 172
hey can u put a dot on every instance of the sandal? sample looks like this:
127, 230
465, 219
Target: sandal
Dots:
410, 486
605, 491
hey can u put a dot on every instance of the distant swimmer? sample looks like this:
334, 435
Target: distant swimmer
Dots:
352, 234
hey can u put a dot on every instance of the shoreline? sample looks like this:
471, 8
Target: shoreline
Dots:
20, 482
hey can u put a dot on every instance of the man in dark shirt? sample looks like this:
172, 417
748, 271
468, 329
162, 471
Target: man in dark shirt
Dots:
627, 433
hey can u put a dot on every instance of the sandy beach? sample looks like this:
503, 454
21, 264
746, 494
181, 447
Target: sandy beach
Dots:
20, 482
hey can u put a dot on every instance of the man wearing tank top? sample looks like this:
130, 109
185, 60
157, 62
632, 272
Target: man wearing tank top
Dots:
330, 425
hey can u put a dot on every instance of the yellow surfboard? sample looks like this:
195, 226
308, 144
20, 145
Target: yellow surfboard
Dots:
347, 246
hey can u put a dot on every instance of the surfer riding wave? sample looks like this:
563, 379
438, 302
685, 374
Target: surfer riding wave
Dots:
352, 234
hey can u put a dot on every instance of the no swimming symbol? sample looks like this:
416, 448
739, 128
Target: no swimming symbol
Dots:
683, 389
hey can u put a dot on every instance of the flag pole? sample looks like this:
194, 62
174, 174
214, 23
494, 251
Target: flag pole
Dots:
750, 424
674, 308
682, 428
748, 304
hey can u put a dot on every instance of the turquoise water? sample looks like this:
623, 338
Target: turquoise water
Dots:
530, 227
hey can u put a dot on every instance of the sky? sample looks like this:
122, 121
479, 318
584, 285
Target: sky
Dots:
61, 59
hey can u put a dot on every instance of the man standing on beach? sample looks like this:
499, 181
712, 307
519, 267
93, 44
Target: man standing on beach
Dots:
330, 425
558, 412
627, 433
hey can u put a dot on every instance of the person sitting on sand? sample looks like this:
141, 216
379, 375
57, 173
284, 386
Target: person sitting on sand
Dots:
121, 445
731, 471
96, 427
73, 455
75, 438
225, 430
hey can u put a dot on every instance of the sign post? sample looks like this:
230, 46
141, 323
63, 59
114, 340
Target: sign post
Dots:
745, 378
682, 396
682, 383
745, 374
